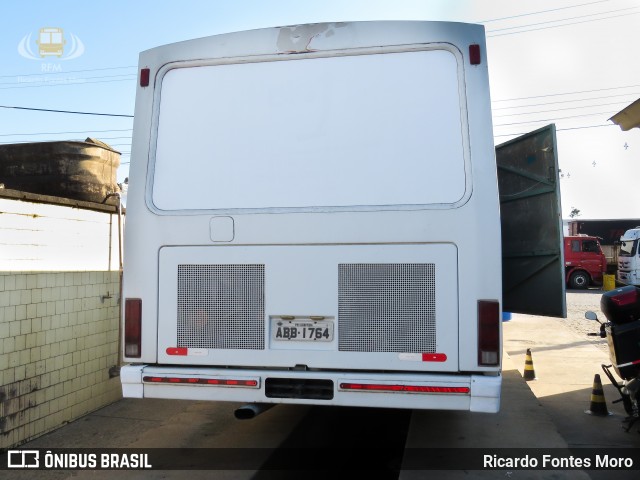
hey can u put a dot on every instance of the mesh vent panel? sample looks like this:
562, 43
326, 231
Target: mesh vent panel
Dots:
387, 308
221, 306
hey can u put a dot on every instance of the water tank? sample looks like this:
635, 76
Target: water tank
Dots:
69, 169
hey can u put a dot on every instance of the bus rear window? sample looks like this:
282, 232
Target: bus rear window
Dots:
358, 130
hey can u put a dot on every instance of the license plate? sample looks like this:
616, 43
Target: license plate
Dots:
301, 330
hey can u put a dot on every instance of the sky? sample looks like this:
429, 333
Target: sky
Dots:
573, 63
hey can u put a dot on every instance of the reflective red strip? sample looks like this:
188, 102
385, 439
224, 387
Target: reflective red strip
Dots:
403, 388
434, 357
177, 351
201, 381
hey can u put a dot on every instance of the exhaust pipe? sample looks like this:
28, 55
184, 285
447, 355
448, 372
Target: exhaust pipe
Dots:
252, 410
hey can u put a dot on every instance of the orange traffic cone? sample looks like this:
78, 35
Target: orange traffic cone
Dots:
529, 372
598, 404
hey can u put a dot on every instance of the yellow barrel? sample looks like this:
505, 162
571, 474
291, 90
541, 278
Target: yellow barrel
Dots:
609, 282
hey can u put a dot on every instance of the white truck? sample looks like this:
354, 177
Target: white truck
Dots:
313, 217
628, 260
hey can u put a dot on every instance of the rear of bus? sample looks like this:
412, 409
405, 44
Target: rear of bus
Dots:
313, 218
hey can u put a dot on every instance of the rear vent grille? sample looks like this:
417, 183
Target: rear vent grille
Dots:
298, 388
221, 306
387, 308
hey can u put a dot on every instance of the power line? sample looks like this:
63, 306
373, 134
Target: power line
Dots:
566, 93
499, 108
562, 25
554, 119
52, 140
542, 11
590, 126
65, 133
116, 138
66, 72
480, 21
70, 79
562, 19
556, 110
61, 84
559, 129
494, 109
66, 111
568, 101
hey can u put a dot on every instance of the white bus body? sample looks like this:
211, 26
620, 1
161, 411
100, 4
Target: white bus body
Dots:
313, 218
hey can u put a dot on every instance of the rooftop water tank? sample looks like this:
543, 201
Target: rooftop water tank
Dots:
70, 169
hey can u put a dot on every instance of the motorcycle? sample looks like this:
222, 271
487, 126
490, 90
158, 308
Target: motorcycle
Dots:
621, 307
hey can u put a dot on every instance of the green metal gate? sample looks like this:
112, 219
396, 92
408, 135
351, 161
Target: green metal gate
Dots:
532, 238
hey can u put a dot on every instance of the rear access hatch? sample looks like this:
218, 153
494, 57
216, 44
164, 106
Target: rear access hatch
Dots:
375, 307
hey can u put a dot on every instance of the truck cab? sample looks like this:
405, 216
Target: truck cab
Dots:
628, 261
585, 263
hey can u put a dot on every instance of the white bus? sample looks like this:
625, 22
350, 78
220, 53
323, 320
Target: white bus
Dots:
313, 217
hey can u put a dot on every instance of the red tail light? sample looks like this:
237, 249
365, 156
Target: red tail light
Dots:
145, 75
488, 332
474, 54
132, 327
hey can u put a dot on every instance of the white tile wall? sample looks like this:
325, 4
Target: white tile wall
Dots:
58, 339
58, 334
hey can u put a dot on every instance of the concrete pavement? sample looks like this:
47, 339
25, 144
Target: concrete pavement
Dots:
548, 412
565, 365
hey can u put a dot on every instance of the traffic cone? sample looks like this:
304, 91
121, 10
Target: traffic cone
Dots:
598, 403
529, 372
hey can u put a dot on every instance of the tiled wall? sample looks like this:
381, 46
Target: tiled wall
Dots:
58, 341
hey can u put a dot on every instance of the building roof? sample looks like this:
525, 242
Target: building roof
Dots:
629, 117
53, 200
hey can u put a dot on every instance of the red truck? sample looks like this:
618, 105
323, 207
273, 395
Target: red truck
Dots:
584, 262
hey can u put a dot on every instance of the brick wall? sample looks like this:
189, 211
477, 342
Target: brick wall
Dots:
58, 340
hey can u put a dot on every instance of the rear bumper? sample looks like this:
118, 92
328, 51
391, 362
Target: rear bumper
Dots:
628, 277
476, 393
